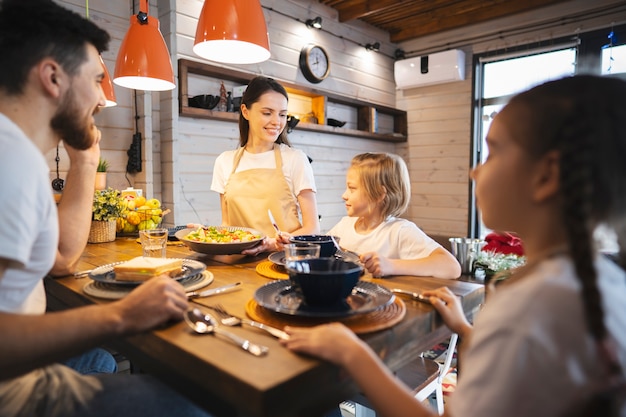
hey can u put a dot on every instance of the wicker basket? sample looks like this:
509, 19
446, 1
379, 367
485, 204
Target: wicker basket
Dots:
101, 231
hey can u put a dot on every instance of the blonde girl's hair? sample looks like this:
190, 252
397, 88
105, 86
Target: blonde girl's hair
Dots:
384, 175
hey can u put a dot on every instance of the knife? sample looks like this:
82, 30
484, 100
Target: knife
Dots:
269, 213
214, 291
417, 296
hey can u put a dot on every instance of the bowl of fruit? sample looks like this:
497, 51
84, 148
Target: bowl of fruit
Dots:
140, 214
220, 240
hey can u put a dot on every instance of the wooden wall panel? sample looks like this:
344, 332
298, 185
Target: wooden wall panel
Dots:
182, 150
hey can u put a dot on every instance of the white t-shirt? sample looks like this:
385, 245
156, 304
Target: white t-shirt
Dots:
394, 238
30, 227
530, 353
296, 168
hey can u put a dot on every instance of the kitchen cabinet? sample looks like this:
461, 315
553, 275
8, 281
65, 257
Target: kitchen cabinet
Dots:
366, 120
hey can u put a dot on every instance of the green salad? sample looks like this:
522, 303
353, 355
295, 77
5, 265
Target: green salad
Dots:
215, 234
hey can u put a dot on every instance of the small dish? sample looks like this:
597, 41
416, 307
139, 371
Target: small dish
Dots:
282, 297
106, 273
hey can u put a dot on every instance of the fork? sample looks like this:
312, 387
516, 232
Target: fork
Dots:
229, 320
345, 255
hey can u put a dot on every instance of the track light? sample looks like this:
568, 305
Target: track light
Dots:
292, 121
373, 46
314, 23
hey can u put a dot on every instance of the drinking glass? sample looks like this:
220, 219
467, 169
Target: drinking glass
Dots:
301, 250
153, 242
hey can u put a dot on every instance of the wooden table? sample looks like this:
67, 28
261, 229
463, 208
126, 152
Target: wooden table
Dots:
227, 381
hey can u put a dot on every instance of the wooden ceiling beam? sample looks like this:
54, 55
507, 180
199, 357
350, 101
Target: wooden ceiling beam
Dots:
452, 17
409, 19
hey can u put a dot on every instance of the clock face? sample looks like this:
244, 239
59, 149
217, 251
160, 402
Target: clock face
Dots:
314, 63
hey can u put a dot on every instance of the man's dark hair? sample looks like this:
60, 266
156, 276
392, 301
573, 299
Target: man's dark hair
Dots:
31, 30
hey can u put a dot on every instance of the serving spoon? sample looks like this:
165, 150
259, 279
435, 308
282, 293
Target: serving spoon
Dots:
206, 324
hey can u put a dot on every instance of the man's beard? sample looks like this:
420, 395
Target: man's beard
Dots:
68, 125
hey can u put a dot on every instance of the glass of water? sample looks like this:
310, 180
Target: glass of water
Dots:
153, 242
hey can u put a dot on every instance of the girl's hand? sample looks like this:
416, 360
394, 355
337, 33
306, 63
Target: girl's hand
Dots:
449, 306
333, 342
377, 265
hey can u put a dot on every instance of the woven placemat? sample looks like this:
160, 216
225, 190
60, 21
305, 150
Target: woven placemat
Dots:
115, 292
380, 319
269, 269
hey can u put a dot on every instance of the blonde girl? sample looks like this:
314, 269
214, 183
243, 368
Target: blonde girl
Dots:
378, 190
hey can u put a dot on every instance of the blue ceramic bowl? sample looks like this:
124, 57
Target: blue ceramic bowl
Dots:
327, 247
324, 282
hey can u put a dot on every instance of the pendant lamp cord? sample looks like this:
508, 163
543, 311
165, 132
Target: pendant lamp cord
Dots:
58, 184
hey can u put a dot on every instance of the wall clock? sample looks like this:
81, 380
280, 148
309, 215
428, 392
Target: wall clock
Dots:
314, 63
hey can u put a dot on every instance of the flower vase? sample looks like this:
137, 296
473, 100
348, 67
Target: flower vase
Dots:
101, 180
101, 231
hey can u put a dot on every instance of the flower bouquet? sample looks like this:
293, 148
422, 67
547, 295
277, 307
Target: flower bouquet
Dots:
107, 207
502, 253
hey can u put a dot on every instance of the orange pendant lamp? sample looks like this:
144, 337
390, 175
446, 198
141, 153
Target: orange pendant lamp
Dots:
143, 61
232, 32
107, 87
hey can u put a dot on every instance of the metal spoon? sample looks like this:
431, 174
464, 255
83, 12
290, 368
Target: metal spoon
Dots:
205, 324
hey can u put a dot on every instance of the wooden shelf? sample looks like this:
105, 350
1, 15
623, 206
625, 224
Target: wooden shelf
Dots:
367, 113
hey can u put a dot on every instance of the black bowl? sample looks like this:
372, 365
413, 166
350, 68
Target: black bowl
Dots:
323, 281
327, 247
204, 101
335, 122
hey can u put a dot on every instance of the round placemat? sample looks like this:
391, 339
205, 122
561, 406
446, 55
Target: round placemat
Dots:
269, 269
115, 292
380, 319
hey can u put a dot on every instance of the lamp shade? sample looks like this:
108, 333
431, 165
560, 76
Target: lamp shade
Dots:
107, 87
143, 61
232, 32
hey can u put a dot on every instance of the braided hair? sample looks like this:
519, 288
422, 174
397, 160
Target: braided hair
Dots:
582, 117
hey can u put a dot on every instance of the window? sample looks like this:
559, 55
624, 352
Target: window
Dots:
500, 76
614, 60
504, 77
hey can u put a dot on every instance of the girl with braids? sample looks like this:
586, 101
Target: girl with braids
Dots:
555, 332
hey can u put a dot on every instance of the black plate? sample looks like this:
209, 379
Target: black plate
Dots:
282, 297
278, 258
171, 232
106, 273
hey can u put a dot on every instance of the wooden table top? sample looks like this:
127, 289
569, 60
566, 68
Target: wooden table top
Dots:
230, 382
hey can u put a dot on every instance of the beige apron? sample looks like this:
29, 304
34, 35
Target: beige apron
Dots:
249, 194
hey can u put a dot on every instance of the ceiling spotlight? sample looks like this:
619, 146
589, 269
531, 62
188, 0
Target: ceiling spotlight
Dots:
373, 46
314, 23
399, 54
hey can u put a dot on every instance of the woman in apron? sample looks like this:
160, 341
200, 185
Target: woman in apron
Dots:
265, 173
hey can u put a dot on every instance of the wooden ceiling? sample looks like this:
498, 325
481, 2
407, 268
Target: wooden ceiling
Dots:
406, 20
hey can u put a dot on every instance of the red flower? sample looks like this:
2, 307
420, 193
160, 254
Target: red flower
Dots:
505, 243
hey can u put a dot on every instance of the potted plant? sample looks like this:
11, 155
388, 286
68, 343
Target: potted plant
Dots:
101, 174
108, 205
